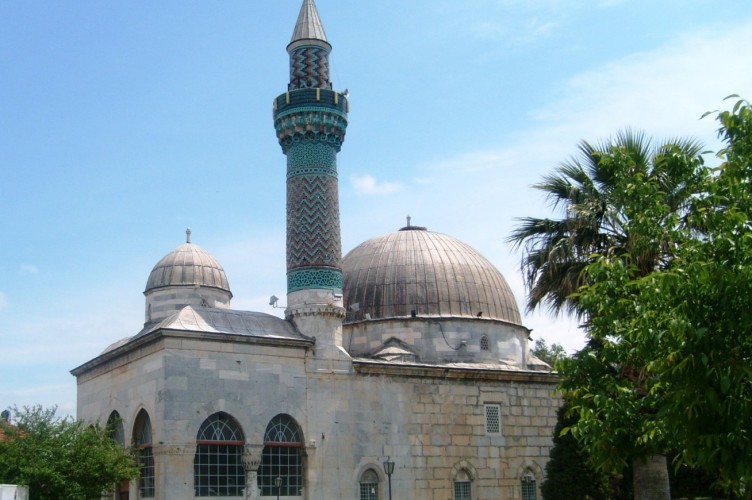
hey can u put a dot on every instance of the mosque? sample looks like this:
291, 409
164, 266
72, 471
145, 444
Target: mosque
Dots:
402, 368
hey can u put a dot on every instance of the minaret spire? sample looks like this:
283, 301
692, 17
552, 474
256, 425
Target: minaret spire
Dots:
309, 51
310, 120
309, 26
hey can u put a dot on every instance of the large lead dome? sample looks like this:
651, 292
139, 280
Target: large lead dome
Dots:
429, 273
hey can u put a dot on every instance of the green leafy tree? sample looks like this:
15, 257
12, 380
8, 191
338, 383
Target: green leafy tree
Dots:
61, 458
626, 200
548, 354
569, 473
669, 363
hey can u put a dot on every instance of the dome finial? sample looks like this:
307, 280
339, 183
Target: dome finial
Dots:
408, 220
187, 235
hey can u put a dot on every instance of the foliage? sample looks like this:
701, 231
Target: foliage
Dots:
548, 354
568, 472
589, 192
61, 458
625, 202
571, 475
669, 362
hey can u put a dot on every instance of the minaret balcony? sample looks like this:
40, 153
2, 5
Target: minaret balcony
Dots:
316, 98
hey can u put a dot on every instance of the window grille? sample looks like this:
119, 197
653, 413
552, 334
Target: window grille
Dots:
484, 345
146, 463
493, 418
369, 485
462, 490
142, 440
529, 488
218, 463
282, 457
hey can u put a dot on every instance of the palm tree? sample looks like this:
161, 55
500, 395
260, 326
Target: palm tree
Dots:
590, 193
587, 193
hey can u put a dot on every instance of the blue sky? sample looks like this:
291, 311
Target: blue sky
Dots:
123, 123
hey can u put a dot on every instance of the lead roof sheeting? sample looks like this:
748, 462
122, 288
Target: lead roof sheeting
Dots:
226, 321
433, 273
308, 25
188, 264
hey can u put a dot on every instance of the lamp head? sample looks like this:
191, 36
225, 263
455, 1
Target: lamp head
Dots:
388, 466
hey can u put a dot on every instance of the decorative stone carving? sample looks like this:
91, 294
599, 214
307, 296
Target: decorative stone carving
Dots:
251, 462
252, 457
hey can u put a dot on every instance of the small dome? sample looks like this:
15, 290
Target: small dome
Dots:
188, 265
429, 273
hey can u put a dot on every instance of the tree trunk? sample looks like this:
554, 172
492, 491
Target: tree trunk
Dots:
650, 478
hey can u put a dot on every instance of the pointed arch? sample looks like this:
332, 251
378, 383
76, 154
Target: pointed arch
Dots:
115, 428
218, 462
282, 457
116, 432
142, 441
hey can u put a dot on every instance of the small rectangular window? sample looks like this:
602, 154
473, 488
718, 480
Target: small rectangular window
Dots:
493, 419
369, 491
529, 488
462, 490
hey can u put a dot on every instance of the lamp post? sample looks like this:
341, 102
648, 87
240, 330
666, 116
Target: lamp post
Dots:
389, 469
278, 483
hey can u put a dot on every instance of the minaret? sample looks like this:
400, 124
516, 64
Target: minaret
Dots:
310, 120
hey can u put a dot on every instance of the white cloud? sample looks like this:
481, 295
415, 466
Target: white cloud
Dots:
515, 22
368, 185
664, 91
28, 269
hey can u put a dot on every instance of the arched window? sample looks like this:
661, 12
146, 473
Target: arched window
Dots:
218, 463
142, 441
282, 458
369, 485
484, 345
115, 428
116, 432
528, 486
462, 486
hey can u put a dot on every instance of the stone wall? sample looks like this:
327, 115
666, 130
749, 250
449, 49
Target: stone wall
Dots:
430, 420
438, 340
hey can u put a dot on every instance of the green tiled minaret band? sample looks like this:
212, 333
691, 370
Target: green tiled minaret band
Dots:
312, 277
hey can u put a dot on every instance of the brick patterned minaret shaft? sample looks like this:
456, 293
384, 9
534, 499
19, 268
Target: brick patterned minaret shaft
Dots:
310, 120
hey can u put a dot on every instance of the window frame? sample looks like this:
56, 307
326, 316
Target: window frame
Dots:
462, 486
485, 343
218, 462
142, 440
369, 479
528, 486
492, 428
283, 456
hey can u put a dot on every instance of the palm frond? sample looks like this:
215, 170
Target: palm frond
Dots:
585, 192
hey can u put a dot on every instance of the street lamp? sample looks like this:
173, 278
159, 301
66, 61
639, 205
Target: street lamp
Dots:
278, 483
389, 469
